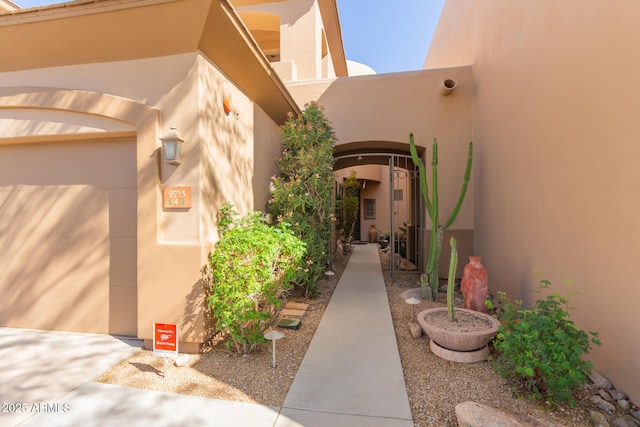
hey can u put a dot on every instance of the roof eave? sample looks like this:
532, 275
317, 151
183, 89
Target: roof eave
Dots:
82, 32
333, 31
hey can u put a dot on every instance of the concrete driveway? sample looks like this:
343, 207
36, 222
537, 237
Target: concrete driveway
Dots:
38, 368
46, 379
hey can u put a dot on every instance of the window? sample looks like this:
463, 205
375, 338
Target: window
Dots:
369, 208
397, 195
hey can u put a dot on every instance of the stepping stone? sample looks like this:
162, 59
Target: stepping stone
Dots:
287, 312
297, 306
289, 323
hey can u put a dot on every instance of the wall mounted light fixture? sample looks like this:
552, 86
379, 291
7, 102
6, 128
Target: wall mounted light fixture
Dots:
172, 146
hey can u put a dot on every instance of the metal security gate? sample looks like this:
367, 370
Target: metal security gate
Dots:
404, 191
406, 214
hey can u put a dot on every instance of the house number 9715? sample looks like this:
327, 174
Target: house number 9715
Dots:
176, 198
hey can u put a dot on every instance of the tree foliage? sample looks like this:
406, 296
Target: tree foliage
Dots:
302, 194
347, 206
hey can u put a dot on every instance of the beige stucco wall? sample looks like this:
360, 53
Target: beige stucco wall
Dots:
377, 113
556, 168
375, 188
225, 158
301, 39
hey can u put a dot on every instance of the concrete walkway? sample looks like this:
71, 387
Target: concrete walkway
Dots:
351, 374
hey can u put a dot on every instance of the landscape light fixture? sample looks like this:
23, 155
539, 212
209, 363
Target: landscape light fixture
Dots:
172, 146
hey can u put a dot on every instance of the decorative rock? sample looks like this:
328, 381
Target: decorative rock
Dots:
598, 419
625, 405
415, 329
407, 265
618, 395
472, 414
413, 302
605, 395
631, 421
598, 379
182, 361
619, 422
396, 260
603, 405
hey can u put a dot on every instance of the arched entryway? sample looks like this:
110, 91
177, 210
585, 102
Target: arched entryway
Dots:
390, 199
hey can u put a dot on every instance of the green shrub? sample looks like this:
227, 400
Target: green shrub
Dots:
251, 267
540, 351
347, 207
302, 195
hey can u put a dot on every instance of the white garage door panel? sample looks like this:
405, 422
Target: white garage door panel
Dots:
68, 236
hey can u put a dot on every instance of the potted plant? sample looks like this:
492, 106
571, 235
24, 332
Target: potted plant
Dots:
401, 240
458, 334
383, 239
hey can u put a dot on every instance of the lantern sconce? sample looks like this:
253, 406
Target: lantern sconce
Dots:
447, 87
172, 146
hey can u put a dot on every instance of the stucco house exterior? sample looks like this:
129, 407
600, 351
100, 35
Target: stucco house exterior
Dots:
555, 105
88, 89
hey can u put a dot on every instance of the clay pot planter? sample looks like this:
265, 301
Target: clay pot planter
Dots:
463, 341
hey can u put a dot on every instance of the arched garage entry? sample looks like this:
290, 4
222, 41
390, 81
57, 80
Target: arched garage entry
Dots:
75, 166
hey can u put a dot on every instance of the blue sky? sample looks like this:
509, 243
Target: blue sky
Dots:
386, 35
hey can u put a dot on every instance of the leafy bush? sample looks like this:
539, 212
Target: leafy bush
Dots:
250, 268
303, 193
347, 207
539, 350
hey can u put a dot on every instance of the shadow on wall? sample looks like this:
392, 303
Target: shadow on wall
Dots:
197, 311
227, 151
55, 267
61, 226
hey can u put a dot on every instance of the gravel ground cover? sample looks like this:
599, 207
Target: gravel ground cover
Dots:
434, 385
223, 374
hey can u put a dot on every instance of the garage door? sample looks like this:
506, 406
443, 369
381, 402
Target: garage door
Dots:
68, 236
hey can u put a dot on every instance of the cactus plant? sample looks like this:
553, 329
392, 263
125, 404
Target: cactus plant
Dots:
432, 206
453, 265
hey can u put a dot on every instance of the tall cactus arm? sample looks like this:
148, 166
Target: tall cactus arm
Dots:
453, 264
437, 232
463, 191
435, 218
423, 175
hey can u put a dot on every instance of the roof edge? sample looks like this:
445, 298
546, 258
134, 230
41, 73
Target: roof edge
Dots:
331, 21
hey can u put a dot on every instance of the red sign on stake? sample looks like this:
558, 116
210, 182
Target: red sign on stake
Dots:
165, 340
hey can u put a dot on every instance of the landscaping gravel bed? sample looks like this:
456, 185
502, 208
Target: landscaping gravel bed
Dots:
434, 385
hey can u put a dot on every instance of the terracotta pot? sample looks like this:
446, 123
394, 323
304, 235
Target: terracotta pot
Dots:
475, 285
457, 346
373, 234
